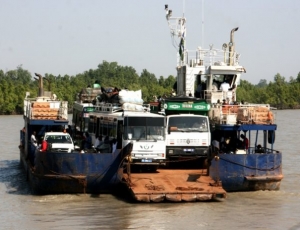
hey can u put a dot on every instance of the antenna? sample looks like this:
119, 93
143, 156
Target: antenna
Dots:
177, 28
202, 24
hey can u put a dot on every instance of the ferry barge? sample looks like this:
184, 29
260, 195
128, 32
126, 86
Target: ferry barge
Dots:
57, 169
242, 155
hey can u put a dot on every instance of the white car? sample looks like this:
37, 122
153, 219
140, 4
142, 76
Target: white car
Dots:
59, 141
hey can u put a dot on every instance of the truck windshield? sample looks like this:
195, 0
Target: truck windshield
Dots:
187, 124
144, 128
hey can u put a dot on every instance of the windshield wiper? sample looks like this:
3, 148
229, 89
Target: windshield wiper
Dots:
143, 133
153, 137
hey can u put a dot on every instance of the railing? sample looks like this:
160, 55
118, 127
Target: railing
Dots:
112, 108
207, 57
107, 107
253, 150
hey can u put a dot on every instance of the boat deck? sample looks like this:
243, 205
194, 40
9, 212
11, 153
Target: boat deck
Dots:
173, 185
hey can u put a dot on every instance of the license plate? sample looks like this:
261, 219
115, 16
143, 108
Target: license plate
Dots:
147, 160
188, 150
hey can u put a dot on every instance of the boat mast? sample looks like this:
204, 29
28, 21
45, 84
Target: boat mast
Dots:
177, 28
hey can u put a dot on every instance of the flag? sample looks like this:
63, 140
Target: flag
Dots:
181, 44
181, 48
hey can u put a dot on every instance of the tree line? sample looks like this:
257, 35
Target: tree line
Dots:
14, 84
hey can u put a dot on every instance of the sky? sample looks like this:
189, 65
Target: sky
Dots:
68, 37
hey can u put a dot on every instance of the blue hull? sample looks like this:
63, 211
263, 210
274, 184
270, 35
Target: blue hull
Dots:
58, 173
247, 172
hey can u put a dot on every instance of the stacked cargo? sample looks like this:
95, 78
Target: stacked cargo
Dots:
131, 100
44, 111
88, 95
262, 115
255, 115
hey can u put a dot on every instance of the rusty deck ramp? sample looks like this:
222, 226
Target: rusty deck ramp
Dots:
173, 186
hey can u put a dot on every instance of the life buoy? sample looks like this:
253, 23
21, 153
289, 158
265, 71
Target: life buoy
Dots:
271, 136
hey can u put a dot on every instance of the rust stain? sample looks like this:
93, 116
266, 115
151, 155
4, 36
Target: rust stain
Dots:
189, 188
174, 186
155, 187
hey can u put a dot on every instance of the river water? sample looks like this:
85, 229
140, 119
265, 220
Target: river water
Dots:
248, 210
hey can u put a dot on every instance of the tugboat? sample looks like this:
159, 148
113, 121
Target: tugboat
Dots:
242, 155
51, 161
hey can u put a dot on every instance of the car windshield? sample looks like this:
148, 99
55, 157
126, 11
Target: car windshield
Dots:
58, 139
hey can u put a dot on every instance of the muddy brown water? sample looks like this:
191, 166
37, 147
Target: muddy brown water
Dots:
248, 210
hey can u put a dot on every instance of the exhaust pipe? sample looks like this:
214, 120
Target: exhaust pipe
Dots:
232, 46
41, 88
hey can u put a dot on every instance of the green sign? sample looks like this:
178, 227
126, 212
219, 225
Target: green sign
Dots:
187, 106
89, 109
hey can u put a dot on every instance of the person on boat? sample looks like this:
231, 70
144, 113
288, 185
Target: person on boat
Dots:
33, 139
105, 147
245, 142
198, 90
98, 141
22, 138
114, 145
69, 130
259, 149
215, 85
88, 141
33, 147
225, 102
82, 143
227, 90
225, 144
173, 94
225, 86
44, 145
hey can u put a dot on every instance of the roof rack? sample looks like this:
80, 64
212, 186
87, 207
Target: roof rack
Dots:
114, 107
108, 108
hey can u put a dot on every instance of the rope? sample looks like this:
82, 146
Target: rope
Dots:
188, 159
250, 167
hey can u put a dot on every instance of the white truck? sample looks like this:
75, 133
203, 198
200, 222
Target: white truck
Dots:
59, 141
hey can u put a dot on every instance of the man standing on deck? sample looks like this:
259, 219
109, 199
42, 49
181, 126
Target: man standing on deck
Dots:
245, 141
32, 147
227, 90
33, 139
